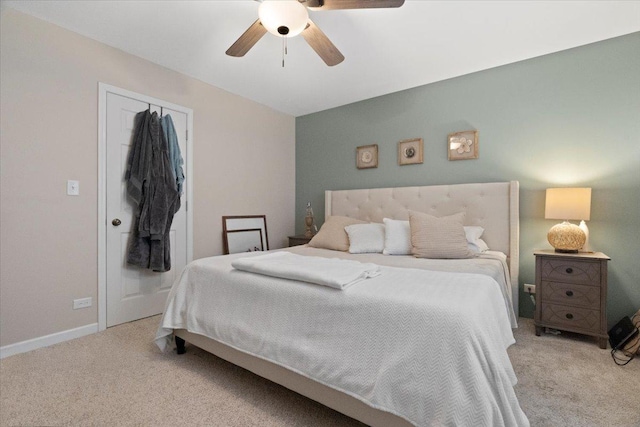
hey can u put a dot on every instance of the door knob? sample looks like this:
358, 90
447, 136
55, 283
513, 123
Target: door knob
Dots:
116, 222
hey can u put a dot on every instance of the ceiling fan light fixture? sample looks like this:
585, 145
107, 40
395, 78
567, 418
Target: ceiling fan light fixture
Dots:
283, 17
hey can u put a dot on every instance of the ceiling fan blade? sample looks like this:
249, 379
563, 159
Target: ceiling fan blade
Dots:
350, 4
322, 45
247, 39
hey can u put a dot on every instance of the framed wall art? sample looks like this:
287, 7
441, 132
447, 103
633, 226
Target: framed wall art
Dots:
367, 156
410, 151
463, 145
244, 233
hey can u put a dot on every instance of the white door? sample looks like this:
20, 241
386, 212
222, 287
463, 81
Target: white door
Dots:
134, 292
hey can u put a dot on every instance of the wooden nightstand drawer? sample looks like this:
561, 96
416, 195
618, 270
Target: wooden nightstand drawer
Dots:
571, 294
572, 318
571, 271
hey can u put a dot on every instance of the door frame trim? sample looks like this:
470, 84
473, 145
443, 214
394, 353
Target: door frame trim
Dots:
103, 90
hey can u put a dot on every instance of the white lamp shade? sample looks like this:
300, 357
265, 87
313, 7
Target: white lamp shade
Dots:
291, 14
568, 203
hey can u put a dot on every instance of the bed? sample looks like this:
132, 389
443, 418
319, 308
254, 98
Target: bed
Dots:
421, 343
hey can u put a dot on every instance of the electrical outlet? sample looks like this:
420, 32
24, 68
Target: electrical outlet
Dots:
530, 289
82, 303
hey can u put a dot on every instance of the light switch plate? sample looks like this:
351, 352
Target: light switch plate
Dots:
73, 188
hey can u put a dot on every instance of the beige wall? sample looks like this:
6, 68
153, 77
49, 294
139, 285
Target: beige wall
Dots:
244, 155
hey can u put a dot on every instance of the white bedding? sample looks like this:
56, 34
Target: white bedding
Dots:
428, 346
333, 272
489, 263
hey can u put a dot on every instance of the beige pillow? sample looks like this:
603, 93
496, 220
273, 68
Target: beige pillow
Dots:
433, 237
332, 234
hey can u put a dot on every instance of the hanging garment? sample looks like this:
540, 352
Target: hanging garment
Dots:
175, 157
139, 159
151, 184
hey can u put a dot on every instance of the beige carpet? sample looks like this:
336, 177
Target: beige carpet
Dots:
118, 377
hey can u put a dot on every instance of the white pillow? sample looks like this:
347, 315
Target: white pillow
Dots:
397, 237
365, 238
474, 242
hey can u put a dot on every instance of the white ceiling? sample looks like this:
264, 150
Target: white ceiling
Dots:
386, 50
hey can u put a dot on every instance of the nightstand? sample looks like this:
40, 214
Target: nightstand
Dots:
298, 240
571, 293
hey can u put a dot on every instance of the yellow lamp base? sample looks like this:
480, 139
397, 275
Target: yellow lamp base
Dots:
566, 237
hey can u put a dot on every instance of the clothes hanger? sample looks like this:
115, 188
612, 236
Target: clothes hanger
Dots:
161, 109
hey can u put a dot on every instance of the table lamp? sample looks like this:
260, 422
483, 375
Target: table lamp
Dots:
308, 221
566, 204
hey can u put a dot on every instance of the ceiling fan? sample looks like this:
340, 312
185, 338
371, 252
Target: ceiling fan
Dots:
288, 18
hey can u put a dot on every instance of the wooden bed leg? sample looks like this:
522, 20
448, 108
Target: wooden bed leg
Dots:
180, 345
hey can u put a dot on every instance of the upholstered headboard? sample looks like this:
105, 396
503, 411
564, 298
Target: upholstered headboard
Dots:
493, 206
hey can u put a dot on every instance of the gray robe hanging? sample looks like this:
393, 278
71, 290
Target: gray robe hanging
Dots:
151, 184
175, 157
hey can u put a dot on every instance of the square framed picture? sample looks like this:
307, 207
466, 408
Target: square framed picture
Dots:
463, 145
249, 240
410, 151
367, 156
244, 233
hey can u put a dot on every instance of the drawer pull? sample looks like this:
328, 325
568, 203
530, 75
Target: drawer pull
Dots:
569, 316
569, 293
569, 270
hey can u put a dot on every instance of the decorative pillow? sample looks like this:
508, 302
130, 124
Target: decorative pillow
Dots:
365, 238
433, 237
474, 242
397, 237
332, 235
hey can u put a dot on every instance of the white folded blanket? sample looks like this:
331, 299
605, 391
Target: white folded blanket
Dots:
333, 272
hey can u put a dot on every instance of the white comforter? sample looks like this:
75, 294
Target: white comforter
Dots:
425, 345
489, 263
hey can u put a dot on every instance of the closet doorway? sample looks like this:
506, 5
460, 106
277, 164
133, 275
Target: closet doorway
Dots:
125, 292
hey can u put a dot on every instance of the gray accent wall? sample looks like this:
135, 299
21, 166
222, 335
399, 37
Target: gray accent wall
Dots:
569, 119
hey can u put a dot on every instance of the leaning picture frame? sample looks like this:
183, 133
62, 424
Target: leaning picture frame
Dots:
463, 145
410, 151
244, 233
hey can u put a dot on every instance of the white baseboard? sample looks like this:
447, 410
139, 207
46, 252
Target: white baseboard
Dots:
47, 340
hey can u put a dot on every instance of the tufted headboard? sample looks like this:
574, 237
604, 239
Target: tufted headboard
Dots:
493, 206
